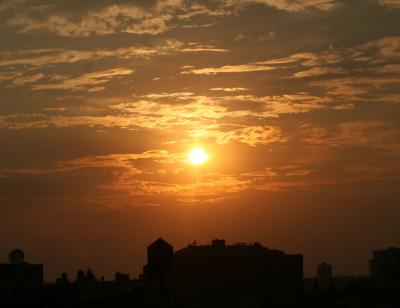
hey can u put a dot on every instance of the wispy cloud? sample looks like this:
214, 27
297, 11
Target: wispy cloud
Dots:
240, 68
291, 6
47, 57
180, 110
100, 21
250, 135
237, 89
319, 71
136, 17
89, 81
374, 134
389, 3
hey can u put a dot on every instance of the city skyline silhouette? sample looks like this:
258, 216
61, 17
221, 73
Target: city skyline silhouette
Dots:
210, 275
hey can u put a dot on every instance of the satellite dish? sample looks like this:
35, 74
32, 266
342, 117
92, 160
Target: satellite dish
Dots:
16, 256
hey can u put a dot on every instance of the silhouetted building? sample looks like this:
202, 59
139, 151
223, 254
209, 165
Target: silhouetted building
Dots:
20, 273
385, 274
385, 267
63, 280
324, 277
85, 278
121, 278
247, 274
20, 282
158, 274
160, 263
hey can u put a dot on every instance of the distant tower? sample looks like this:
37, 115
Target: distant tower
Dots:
324, 277
158, 274
160, 258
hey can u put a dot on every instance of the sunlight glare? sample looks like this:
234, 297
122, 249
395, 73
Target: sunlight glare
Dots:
197, 156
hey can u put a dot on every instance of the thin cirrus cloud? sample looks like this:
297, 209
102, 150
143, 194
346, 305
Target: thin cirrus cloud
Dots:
240, 68
319, 71
237, 89
292, 6
91, 82
302, 59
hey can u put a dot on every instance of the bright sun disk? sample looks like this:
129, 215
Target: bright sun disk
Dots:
197, 156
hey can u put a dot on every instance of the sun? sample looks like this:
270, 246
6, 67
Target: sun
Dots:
197, 156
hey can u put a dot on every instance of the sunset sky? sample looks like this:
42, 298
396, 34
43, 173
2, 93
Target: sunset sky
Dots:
295, 103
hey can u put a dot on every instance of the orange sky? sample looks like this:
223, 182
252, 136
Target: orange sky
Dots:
296, 104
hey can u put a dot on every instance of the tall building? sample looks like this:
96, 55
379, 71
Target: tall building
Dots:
158, 274
385, 267
160, 262
214, 275
324, 277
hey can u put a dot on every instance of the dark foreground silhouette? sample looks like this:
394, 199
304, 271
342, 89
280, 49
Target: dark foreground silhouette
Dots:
216, 275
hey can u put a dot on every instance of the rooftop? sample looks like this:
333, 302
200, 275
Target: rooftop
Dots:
220, 246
